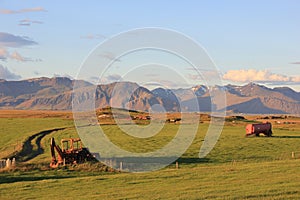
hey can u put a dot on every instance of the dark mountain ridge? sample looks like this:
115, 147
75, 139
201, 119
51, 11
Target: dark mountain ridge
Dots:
57, 93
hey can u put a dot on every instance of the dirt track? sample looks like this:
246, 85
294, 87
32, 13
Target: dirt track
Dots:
27, 152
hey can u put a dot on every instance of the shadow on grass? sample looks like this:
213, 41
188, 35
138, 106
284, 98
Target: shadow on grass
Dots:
159, 160
5, 178
193, 160
150, 163
27, 151
287, 136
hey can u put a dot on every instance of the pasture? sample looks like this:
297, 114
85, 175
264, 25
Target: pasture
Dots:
237, 168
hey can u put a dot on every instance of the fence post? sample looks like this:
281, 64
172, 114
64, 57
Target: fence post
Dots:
13, 162
177, 165
293, 154
8, 163
121, 166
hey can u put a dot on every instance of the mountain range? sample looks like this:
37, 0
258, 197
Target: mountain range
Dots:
56, 94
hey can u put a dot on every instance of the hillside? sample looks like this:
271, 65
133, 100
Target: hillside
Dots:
56, 94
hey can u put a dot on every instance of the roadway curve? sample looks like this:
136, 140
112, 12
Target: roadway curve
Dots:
27, 152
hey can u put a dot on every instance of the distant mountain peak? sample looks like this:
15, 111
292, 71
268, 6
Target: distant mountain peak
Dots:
56, 93
199, 90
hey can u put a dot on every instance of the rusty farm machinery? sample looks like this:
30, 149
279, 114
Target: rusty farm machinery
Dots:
70, 152
256, 129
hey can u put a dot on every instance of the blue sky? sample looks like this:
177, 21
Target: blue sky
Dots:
248, 40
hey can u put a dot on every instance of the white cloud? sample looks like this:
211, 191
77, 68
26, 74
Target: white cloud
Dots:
10, 40
295, 63
8, 75
3, 54
253, 75
29, 22
64, 76
25, 10
24, 24
16, 56
296, 79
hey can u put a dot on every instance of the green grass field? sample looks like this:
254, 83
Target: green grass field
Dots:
14, 131
237, 168
267, 180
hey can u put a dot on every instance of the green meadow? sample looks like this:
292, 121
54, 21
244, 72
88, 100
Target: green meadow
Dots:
237, 167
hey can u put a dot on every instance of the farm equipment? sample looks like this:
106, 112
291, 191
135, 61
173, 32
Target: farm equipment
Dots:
256, 129
71, 152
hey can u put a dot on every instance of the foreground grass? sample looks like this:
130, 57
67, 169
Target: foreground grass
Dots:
237, 168
14, 131
267, 180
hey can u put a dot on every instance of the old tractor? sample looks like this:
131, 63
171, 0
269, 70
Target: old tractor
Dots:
70, 152
256, 129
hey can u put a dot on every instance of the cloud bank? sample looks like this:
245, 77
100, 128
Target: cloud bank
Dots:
3, 54
10, 40
263, 76
24, 10
295, 63
18, 57
29, 22
8, 75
